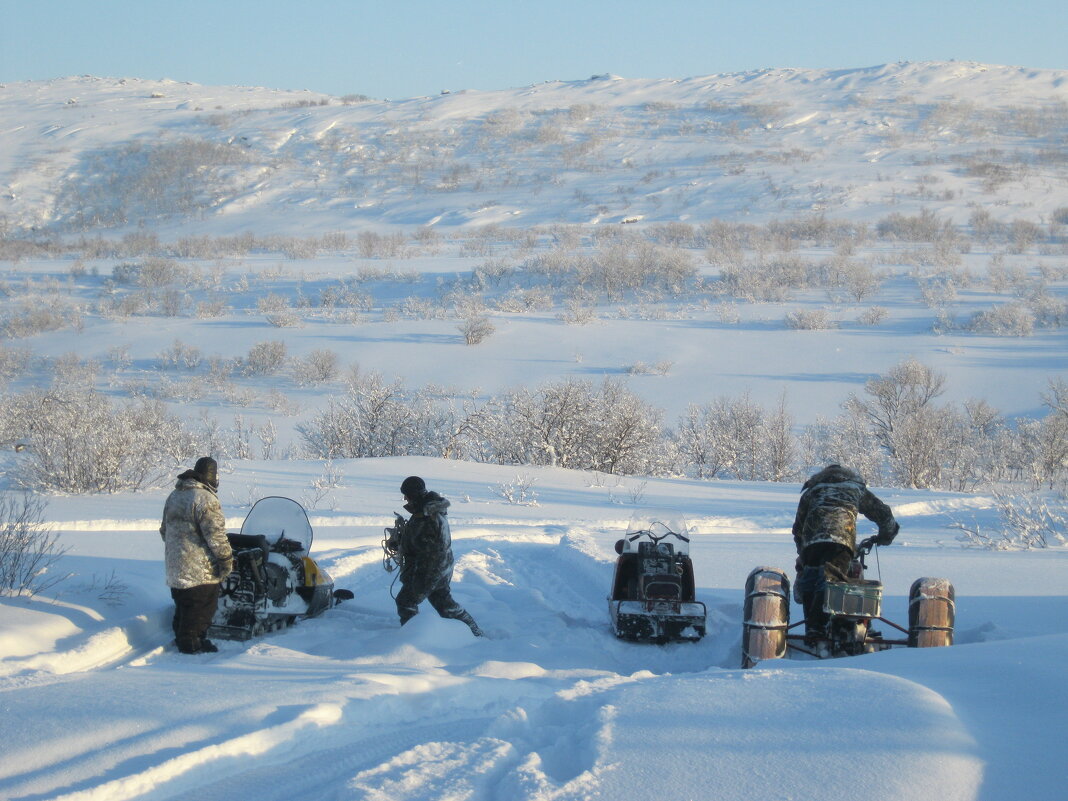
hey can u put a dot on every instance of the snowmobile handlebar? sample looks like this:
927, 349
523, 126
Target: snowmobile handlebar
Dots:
655, 537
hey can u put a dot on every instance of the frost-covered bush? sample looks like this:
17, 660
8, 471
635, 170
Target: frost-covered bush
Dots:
642, 368
264, 358
317, 367
571, 423
142, 180
735, 437
180, 356
154, 273
476, 329
578, 310
1027, 522
80, 442
14, 362
373, 245
926, 226
873, 315
1012, 319
766, 279
937, 291
810, 320
373, 418
35, 315
29, 548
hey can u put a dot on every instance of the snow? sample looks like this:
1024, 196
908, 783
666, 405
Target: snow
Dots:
550, 705
95, 704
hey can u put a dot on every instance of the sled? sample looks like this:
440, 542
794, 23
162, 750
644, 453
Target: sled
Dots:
852, 608
653, 596
275, 581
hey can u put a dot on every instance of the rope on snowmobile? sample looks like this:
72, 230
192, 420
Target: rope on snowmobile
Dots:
866, 547
391, 556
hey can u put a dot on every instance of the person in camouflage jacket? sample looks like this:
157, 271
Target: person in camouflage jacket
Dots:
197, 553
424, 545
825, 534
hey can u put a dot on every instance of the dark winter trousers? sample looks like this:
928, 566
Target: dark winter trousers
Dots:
821, 562
194, 607
413, 592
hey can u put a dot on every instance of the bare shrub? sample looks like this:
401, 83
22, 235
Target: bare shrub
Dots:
810, 320
372, 245
727, 313
14, 362
873, 315
209, 309
927, 226
317, 367
579, 308
29, 549
520, 491
264, 358
180, 356
141, 180
476, 329
35, 315
79, 442
736, 437
641, 368
277, 310
373, 418
1013, 319
571, 424
1027, 522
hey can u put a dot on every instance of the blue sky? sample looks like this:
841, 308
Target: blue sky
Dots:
417, 47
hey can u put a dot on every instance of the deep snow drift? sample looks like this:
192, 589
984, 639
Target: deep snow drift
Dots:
349, 705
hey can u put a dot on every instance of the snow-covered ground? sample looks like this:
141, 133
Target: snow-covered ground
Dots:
93, 704
551, 705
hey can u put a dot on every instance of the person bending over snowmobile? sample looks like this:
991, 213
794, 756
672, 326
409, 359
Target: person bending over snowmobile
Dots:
424, 545
198, 555
825, 534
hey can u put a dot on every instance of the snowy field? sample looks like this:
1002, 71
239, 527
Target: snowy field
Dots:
393, 223
550, 705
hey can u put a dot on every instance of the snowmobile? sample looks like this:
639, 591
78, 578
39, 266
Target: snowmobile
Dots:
274, 581
852, 607
652, 596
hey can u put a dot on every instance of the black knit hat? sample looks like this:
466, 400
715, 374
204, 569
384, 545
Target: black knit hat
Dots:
207, 471
413, 487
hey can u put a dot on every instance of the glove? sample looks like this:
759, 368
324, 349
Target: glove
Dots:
885, 537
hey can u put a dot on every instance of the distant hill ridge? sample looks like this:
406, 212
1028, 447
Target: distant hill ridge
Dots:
103, 154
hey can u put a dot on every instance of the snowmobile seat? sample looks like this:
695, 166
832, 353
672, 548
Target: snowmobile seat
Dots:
662, 587
248, 542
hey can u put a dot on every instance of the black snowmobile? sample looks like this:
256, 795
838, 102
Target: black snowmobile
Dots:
275, 580
653, 596
852, 607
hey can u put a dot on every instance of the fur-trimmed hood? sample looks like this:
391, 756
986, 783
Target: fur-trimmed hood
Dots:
834, 474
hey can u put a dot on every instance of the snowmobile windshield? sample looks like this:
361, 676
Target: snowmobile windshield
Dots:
279, 519
657, 525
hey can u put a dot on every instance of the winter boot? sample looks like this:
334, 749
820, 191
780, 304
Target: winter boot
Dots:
465, 616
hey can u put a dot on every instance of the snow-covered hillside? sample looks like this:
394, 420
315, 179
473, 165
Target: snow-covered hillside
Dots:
80, 152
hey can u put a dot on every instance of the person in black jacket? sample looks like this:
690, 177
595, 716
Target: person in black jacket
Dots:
825, 534
424, 545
